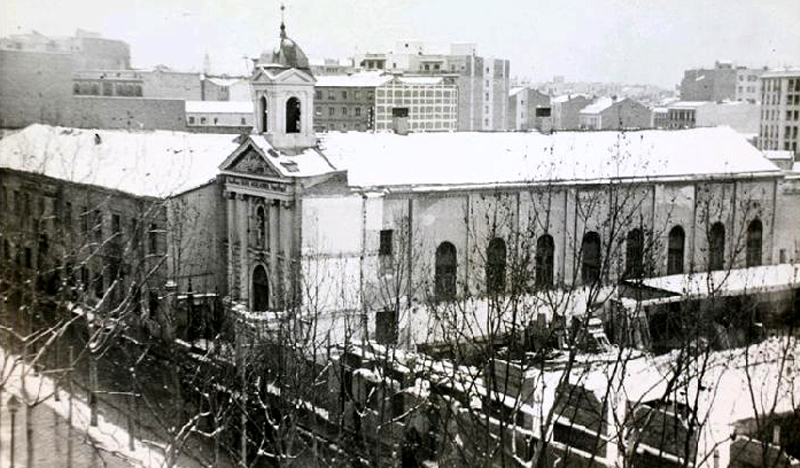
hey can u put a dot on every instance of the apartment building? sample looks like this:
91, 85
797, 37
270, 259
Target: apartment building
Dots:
483, 82
430, 103
346, 102
780, 110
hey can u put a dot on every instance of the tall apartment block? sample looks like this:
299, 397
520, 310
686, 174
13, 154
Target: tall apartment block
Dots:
483, 82
780, 110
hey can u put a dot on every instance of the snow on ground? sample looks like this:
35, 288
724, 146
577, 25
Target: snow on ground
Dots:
106, 435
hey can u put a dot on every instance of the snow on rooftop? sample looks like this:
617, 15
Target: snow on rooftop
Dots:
567, 97
688, 104
310, 162
219, 107
145, 163
598, 106
356, 80
224, 82
487, 158
778, 154
782, 73
732, 282
516, 90
420, 80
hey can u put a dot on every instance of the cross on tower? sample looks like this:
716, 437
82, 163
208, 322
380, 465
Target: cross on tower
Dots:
283, 26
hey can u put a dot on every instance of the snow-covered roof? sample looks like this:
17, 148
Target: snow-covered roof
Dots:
224, 82
732, 282
598, 106
785, 73
310, 162
568, 97
145, 163
778, 154
516, 90
356, 80
428, 160
688, 104
420, 80
219, 107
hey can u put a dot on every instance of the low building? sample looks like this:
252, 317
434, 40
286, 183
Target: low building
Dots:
780, 116
220, 116
566, 109
739, 115
660, 117
321, 67
123, 83
529, 109
615, 114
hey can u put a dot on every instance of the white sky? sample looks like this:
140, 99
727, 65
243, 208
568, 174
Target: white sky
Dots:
632, 41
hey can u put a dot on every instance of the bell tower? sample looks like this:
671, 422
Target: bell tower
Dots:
283, 96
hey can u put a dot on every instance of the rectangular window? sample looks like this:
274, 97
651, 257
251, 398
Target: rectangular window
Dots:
358, 112
318, 95
385, 247
357, 94
344, 111
116, 224
97, 228
331, 111
331, 95
244, 121
344, 94
67, 218
153, 238
191, 120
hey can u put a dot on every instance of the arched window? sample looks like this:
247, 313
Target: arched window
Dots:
634, 254
293, 115
716, 247
675, 247
754, 231
263, 109
445, 274
260, 290
496, 266
545, 250
261, 228
590, 257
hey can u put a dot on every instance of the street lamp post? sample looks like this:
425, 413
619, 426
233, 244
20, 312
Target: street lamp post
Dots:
13, 407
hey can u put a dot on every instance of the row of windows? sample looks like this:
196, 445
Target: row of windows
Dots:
108, 89
415, 125
91, 221
215, 121
415, 93
332, 111
446, 262
344, 94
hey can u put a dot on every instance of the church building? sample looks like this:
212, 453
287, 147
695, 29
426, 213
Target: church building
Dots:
408, 237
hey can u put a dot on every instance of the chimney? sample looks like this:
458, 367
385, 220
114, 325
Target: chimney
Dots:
400, 120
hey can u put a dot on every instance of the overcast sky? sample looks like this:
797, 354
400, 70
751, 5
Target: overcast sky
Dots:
631, 41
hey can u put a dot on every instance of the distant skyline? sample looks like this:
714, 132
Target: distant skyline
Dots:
628, 41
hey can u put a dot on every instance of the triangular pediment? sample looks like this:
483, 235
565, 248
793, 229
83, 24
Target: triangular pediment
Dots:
247, 160
282, 76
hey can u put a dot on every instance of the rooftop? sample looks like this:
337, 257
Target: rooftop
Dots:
786, 72
219, 107
153, 163
356, 80
426, 161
